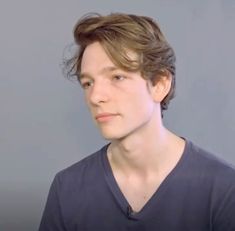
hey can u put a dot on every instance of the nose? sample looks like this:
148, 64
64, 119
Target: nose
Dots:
99, 93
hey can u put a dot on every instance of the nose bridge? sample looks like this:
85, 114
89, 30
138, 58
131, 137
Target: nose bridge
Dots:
99, 91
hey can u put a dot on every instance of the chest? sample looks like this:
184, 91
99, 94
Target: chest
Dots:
169, 208
138, 192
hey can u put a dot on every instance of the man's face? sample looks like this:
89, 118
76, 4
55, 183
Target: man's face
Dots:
120, 102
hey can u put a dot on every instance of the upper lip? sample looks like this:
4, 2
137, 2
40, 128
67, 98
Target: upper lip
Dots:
104, 114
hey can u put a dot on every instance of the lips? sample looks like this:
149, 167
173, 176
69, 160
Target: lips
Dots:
104, 117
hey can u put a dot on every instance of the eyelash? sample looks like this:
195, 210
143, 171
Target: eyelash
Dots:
118, 77
87, 84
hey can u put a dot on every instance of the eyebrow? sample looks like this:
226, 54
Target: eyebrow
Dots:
102, 71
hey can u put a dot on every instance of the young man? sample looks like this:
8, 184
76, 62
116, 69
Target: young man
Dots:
146, 178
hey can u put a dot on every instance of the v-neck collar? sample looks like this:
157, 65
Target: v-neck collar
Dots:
157, 195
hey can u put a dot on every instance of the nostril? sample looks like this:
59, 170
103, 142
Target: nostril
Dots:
98, 95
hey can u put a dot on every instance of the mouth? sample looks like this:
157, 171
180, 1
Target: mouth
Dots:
105, 117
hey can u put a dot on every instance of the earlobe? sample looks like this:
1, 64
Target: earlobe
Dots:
162, 88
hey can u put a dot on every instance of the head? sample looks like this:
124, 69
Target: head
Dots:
122, 34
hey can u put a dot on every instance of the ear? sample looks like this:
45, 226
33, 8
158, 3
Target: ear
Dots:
161, 87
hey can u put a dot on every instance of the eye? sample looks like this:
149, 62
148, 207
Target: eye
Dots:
118, 77
86, 84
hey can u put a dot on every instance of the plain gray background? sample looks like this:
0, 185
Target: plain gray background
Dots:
44, 123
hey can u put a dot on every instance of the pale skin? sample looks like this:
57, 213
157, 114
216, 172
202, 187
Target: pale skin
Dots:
126, 109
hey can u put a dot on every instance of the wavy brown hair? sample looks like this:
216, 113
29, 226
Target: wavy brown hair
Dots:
119, 34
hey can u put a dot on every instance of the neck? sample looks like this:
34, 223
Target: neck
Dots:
143, 153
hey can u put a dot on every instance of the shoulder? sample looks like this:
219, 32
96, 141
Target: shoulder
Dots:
83, 169
209, 164
214, 179
207, 158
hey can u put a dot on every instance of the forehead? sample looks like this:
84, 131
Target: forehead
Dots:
95, 58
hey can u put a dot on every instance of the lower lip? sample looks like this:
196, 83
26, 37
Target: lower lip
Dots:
105, 118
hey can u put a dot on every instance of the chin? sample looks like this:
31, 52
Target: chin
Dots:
111, 135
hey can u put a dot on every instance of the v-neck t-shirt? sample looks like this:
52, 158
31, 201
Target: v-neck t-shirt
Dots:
197, 195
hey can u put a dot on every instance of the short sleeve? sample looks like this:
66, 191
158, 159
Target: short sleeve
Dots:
225, 216
52, 218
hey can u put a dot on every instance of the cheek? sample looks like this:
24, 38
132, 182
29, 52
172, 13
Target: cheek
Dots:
140, 104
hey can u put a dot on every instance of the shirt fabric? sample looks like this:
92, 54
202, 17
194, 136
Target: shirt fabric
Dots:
197, 195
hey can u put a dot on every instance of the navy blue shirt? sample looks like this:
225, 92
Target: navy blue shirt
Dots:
197, 195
